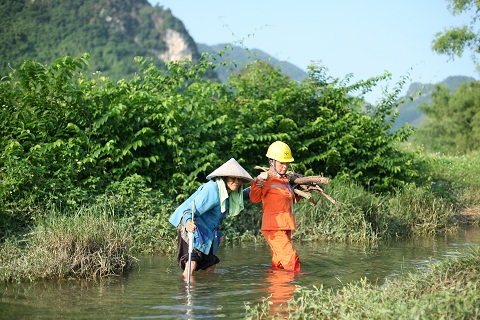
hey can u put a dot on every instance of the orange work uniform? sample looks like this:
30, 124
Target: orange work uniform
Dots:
277, 219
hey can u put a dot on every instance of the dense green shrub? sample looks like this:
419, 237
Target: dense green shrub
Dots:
67, 138
143, 213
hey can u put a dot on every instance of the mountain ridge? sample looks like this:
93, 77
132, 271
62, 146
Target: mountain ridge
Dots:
242, 56
113, 32
421, 93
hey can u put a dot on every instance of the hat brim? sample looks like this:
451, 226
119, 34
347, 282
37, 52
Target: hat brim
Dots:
231, 168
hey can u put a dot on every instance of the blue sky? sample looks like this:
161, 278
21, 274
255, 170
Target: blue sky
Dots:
359, 37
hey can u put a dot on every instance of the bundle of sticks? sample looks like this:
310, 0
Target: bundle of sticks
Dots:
305, 185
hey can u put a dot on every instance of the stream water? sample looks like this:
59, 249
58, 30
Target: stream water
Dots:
156, 289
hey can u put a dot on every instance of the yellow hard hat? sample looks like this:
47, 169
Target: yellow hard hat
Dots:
280, 151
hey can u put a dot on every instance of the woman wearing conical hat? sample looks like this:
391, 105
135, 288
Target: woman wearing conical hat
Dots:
223, 194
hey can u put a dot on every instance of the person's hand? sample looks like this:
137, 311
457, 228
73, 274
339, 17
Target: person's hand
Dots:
190, 226
263, 175
261, 178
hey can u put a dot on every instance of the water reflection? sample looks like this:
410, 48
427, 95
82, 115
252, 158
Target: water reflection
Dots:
157, 290
276, 285
281, 286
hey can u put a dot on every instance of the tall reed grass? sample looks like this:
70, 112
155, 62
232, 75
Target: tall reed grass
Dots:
83, 245
361, 216
420, 212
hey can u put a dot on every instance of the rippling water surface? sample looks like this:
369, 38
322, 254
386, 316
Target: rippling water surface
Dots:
156, 289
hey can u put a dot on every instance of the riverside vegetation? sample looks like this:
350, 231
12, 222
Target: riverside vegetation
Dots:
91, 170
448, 290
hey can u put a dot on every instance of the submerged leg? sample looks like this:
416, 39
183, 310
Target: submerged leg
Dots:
194, 266
211, 268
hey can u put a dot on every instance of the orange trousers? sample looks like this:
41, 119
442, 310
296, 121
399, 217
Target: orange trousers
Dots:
284, 254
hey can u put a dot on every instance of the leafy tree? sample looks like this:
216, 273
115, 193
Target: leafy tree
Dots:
453, 120
455, 40
330, 129
67, 137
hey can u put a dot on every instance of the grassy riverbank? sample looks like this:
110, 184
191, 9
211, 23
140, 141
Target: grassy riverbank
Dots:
80, 246
448, 290
101, 239
91, 169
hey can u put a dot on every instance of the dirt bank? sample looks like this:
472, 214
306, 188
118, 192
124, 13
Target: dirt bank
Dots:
469, 215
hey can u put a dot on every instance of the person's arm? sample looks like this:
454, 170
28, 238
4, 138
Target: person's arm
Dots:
256, 187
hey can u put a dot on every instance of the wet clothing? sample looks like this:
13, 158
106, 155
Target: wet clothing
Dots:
283, 253
207, 216
278, 221
204, 261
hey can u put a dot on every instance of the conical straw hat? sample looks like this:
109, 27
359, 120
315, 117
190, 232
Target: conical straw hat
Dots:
231, 168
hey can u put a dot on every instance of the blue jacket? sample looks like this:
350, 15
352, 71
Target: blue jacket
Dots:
208, 216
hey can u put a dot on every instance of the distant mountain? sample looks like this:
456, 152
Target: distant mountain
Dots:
112, 31
241, 56
409, 111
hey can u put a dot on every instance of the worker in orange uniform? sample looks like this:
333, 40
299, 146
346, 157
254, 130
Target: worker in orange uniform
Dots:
273, 189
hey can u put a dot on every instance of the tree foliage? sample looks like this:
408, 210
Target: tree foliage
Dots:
455, 41
453, 120
66, 136
330, 129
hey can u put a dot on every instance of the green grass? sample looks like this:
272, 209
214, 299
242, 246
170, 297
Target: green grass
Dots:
457, 177
361, 216
84, 245
448, 290
99, 240
447, 187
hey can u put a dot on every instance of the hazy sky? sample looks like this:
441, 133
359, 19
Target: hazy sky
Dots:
359, 37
